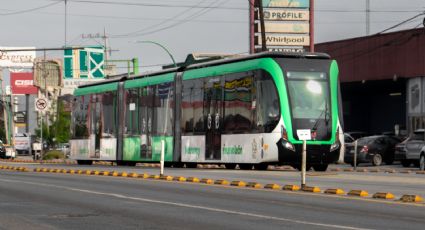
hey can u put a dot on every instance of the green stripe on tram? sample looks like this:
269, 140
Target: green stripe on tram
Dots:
154, 80
96, 89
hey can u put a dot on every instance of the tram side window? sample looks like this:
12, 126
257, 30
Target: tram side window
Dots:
109, 114
80, 115
192, 120
238, 102
131, 112
267, 103
163, 108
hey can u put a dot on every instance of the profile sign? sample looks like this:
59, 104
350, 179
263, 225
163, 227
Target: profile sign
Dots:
41, 104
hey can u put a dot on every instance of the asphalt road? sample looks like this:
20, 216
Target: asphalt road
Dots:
61, 201
396, 183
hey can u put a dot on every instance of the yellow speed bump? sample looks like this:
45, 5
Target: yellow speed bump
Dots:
45, 170
206, 181
313, 189
361, 193
272, 186
253, 185
71, 171
134, 175
291, 187
238, 183
336, 191
106, 173
37, 169
154, 177
52, 170
114, 173
168, 178
144, 176
124, 174
179, 178
193, 179
411, 198
383, 195
221, 182
88, 172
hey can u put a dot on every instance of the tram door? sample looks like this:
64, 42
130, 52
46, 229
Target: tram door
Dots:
213, 110
96, 122
146, 115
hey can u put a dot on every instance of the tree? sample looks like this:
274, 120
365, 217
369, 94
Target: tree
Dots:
58, 131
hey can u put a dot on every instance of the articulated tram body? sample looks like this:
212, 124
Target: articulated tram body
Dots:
244, 111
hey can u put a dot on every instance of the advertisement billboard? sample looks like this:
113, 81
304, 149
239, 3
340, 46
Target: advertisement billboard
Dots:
287, 25
22, 83
16, 58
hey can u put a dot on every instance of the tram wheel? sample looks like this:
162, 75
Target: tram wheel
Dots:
230, 166
178, 165
261, 166
245, 166
131, 163
320, 168
191, 165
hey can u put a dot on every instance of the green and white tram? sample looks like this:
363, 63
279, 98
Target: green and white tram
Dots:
241, 111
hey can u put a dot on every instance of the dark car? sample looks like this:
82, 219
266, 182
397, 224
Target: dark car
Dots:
357, 134
2, 150
348, 138
372, 149
401, 151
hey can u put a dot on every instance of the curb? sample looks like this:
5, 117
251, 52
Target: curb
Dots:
408, 198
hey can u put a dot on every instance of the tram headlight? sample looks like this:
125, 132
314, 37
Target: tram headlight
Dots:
335, 145
289, 146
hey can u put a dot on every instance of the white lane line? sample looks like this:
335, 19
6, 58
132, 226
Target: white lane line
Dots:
187, 205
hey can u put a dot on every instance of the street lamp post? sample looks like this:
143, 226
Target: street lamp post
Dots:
163, 47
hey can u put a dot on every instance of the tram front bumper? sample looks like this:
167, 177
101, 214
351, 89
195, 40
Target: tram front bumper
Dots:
316, 154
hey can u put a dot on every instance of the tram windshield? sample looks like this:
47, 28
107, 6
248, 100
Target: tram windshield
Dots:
309, 95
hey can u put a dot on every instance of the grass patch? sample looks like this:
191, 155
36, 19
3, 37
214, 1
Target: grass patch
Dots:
53, 154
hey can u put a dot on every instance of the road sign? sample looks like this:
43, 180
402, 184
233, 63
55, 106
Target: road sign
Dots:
87, 63
41, 104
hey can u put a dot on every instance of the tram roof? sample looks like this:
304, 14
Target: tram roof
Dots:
214, 62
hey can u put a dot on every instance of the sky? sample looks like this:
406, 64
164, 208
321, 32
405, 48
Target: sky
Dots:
183, 26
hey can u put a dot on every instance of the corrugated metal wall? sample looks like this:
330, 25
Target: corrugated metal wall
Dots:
379, 57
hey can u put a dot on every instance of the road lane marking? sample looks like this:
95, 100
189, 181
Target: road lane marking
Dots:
187, 205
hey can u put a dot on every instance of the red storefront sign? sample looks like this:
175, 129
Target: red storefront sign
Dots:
23, 83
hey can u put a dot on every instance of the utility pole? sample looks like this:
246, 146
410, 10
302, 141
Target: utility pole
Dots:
251, 26
311, 25
263, 27
66, 21
367, 17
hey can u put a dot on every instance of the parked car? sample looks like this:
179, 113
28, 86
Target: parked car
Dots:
2, 150
400, 153
415, 150
372, 149
64, 147
348, 138
357, 134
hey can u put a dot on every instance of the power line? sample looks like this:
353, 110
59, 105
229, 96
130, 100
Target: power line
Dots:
401, 23
120, 3
29, 10
187, 19
163, 21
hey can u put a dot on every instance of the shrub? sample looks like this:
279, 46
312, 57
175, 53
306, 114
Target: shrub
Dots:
53, 154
